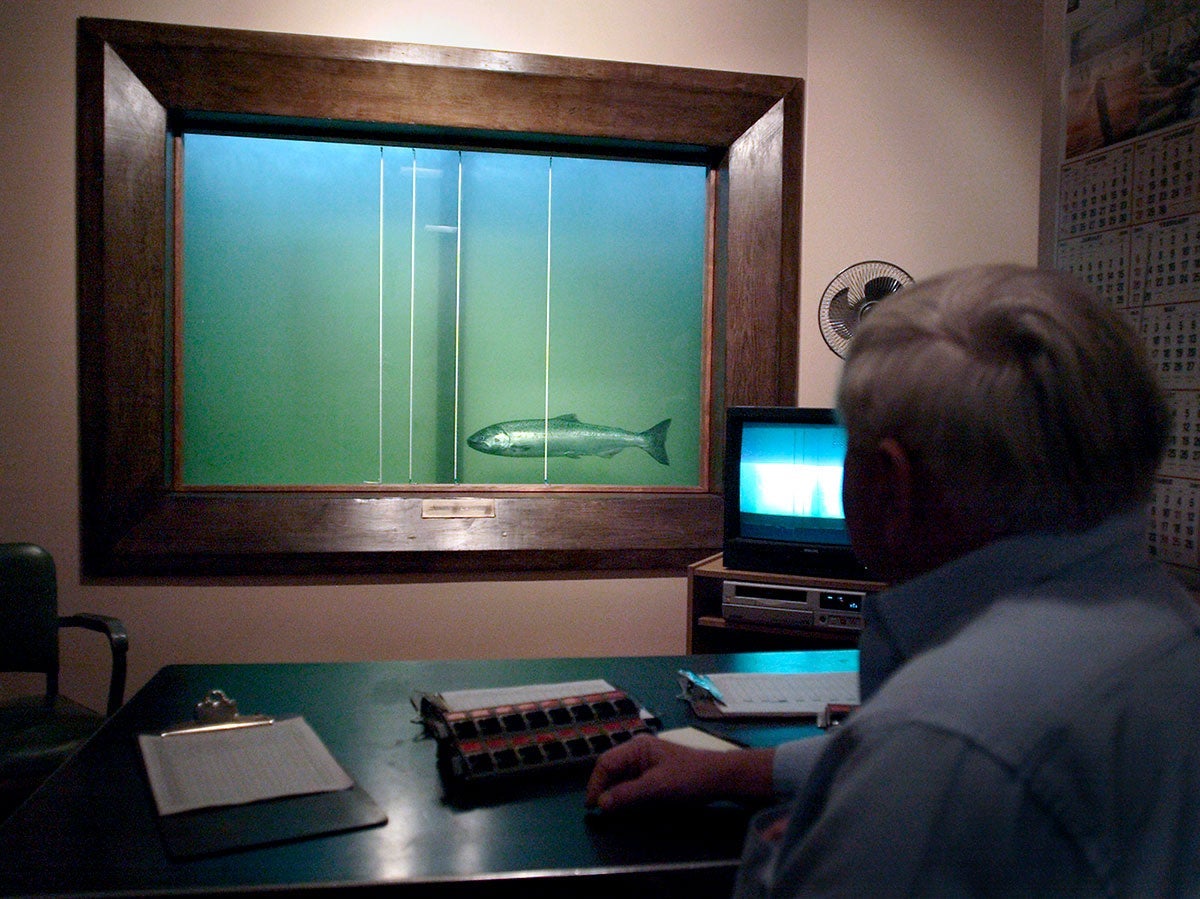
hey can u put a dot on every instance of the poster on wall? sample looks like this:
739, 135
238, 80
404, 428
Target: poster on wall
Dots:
1134, 68
1128, 214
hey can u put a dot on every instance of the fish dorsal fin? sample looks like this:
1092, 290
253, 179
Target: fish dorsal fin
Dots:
570, 416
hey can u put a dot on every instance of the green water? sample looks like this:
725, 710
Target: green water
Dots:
332, 337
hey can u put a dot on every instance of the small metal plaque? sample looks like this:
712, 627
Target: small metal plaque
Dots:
458, 508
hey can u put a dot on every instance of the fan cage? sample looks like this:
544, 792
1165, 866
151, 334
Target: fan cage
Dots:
852, 294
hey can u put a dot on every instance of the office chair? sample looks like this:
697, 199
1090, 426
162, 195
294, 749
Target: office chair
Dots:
37, 733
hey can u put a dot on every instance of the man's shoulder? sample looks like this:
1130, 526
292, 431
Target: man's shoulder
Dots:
1031, 662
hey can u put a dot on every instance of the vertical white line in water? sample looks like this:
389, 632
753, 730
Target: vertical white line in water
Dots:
457, 303
546, 397
379, 451
412, 311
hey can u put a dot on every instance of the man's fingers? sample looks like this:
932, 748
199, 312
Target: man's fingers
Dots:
619, 765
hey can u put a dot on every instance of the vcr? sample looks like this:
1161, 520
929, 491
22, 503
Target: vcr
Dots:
799, 607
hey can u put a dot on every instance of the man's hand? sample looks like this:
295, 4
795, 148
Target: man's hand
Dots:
649, 769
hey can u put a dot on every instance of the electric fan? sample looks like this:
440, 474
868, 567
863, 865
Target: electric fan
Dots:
852, 294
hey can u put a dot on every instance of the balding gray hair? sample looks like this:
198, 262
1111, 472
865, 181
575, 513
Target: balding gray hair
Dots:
1030, 402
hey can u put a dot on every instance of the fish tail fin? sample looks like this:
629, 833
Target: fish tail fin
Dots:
656, 441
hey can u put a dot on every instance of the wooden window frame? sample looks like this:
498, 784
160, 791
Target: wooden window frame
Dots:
136, 79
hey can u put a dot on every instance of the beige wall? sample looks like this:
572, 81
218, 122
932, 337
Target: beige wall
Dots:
921, 148
923, 145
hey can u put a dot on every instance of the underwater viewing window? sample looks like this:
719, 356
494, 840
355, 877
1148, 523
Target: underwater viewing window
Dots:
374, 314
355, 307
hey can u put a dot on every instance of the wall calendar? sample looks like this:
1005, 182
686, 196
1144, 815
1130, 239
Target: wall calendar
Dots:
1128, 214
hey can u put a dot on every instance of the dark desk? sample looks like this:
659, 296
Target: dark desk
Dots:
92, 829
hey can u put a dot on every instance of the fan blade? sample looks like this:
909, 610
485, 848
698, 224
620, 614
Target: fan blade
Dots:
842, 318
879, 287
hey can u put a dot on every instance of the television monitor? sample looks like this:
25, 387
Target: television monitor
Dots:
783, 493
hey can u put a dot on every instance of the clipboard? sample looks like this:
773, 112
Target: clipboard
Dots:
232, 828
229, 781
827, 697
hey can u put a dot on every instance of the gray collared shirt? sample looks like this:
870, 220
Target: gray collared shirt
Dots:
1030, 726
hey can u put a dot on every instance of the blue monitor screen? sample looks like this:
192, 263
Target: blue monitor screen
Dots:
791, 482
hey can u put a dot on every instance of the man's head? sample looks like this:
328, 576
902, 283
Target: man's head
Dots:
989, 402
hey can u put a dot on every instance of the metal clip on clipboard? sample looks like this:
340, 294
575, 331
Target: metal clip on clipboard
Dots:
216, 711
698, 687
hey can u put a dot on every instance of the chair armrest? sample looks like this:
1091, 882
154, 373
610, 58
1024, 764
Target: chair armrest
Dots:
118, 642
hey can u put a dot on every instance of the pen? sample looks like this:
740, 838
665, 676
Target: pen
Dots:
702, 683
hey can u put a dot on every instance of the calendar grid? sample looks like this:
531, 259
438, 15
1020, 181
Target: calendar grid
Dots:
1129, 227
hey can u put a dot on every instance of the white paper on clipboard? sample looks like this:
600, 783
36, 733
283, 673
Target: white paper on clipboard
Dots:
784, 695
234, 766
